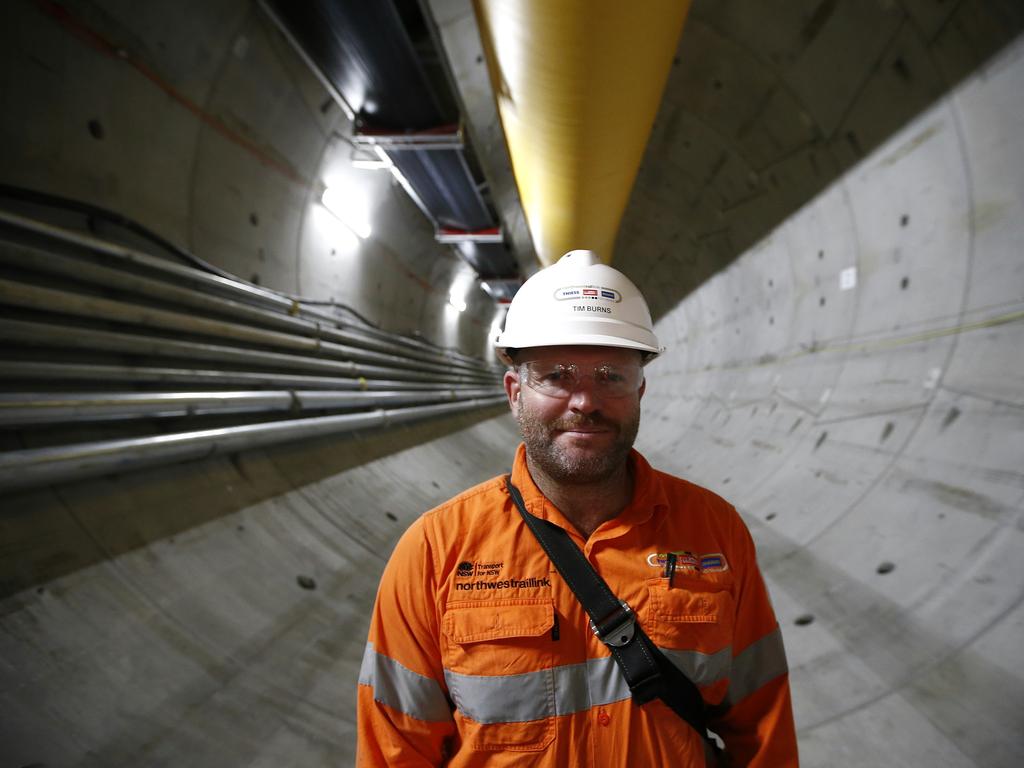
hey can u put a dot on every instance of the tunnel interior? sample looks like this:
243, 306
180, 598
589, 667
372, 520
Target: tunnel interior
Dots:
826, 223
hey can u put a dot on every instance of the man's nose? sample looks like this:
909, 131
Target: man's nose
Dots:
584, 397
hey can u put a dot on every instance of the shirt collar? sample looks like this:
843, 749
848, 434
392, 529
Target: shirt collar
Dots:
648, 496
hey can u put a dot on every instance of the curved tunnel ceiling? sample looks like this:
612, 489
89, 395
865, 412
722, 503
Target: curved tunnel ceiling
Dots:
826, 222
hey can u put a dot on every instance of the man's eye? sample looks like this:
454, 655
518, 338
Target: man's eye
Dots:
611, 376
556, 376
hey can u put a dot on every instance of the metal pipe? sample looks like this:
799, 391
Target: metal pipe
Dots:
41, 466
213, 282
36, 297
22, 369
52, 335
20, 408
130, 255
85, 271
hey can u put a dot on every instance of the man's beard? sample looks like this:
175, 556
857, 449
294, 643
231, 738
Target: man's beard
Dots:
579, 469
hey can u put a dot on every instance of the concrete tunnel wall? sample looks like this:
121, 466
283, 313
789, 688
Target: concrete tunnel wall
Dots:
871, 436
854, 385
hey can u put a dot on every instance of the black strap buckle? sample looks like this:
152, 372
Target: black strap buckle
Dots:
617, 628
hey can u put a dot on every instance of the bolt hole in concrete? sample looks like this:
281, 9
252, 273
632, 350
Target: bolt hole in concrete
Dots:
821, 440
904, 220
885, 567
904, 283
770, 516
821, 302
803, 621
96, 129
821, 254
889, 427
306, 582
953, 415
900, 68
254, 219
391, 516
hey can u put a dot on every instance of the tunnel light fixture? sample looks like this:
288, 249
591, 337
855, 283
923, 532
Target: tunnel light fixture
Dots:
365, 164
349, 208
456, 301
377, 160
453, 236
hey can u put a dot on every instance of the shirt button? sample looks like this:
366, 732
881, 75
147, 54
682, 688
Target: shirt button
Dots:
603, 717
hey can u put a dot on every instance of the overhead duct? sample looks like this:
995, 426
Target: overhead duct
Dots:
577, 85
363, 54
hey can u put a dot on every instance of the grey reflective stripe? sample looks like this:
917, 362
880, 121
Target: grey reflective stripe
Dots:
565, 689
402, 689
607, 684
758, 663
574, 686
701, 668
503, 698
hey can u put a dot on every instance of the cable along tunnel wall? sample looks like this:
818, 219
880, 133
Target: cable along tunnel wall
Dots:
143, 323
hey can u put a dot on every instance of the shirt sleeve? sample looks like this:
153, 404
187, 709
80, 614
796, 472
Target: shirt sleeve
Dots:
403, 709
757, 724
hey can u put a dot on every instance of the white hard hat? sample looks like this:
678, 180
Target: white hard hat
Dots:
579, 300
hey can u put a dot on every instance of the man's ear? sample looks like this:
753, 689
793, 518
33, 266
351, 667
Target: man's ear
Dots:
512, 388
643, 388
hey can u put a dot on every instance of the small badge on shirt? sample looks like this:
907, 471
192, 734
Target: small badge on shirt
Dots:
714, 563
688, 561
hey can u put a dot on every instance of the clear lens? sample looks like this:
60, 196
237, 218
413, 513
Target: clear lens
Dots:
562, 379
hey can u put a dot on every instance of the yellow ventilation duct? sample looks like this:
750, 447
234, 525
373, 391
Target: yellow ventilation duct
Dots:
578, 83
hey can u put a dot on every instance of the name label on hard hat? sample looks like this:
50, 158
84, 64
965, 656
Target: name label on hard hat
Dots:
587, 293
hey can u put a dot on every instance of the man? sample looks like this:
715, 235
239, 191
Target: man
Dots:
479, 652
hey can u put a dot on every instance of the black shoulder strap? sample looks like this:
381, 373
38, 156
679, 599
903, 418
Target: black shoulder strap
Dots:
649, 674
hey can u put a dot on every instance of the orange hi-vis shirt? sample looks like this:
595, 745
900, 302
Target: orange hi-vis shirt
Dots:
480, 655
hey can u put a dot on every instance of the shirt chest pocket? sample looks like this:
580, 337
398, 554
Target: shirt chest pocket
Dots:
498, 658
693, 614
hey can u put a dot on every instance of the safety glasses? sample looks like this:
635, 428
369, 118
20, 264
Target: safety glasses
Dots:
560, 379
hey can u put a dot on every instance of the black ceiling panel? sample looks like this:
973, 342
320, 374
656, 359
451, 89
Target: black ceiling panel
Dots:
489, 260
363, 49
444, 186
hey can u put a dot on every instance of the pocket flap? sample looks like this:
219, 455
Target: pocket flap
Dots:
694, 602
471, 622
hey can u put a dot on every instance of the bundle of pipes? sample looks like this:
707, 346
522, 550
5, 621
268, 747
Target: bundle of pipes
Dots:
101, 333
